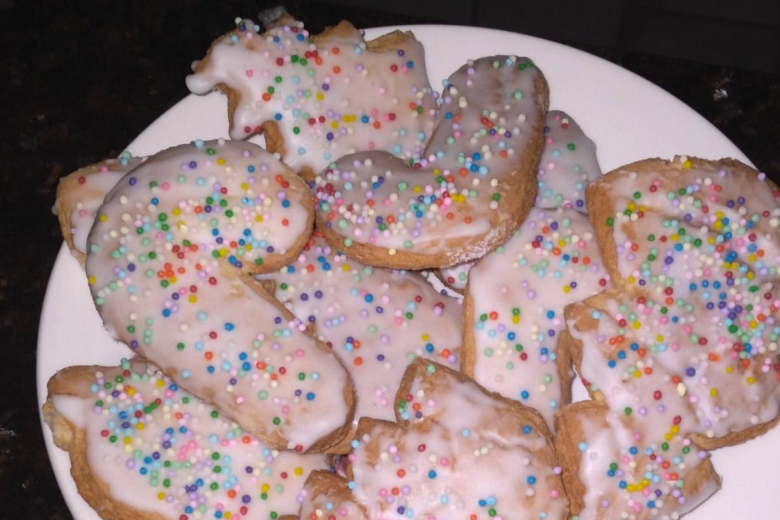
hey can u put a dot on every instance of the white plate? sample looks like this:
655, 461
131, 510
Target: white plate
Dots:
627, 117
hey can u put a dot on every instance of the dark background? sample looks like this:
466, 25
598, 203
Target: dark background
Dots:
81, 79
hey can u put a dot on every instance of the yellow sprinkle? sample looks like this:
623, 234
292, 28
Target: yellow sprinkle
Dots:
91, 280
637, 325
320, 96
729, 370
221, 161
714, 392
130, 391
417, 189
334, 125
425, 337
223, 252
128, 440
193, 298
160, 382
566, 288
675, 237
750, 380
160, 496
749, 276
259, 218
299, 471
631, 279
103, 218
687, 164
345, 268
248, 247
172, 279
637, 374
264, 488
244, 186
659, 338
139, 426
515, 319
675, 429
176, 211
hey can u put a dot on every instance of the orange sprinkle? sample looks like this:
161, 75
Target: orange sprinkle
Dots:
358, 361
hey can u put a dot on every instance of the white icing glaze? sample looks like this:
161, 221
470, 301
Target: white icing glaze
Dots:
463, 453
457, 276
331, 96
626, 476
377, 321
518, 293
489, 110
157, 282
568, 163
161, 450
87, 195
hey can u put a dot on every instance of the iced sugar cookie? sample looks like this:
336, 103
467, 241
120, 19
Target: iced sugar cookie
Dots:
464, 195
514, 303
80, 194
167, 264
141, 447
457, 451
324, 96
375, 320
613, 470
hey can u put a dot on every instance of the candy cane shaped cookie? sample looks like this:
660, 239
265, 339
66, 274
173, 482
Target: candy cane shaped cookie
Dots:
514, 303
375, 320
568, 162
141, 447
326, 95
456, 451
168, 263
468, 192
80, 194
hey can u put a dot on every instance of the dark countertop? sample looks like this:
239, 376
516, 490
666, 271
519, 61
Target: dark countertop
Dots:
82, 79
